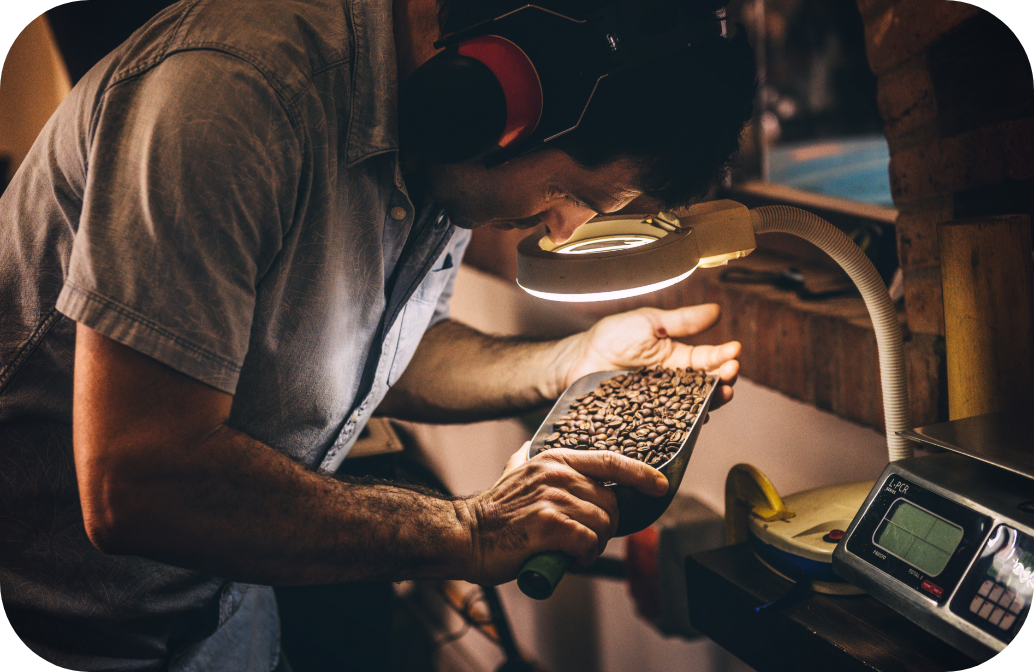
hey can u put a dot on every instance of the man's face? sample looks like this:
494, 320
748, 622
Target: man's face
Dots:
544, 187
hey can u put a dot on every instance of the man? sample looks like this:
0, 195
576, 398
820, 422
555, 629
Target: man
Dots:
220, 237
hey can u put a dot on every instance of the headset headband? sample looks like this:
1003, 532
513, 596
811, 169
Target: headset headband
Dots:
572, 54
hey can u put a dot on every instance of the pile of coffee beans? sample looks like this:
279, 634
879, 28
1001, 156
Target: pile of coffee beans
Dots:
645, 414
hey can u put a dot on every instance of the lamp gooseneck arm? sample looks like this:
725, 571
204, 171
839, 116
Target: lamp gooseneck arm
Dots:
832, 241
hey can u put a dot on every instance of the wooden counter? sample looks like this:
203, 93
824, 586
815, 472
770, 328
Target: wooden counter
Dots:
817, 632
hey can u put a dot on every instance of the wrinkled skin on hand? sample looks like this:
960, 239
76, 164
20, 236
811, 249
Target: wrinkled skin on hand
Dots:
554, 502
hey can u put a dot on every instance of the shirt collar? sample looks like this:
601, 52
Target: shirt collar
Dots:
373, 126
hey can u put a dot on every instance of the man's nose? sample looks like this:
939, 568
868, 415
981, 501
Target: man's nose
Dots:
563, 219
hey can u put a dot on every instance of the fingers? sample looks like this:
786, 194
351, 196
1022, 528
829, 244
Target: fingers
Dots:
685, 321
714, 357
554, 502
688, 321
729, 371
585, 528
605, 466
727, 374
591, 508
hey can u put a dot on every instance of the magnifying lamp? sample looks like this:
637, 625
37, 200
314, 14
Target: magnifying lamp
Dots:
618, 256
627, 255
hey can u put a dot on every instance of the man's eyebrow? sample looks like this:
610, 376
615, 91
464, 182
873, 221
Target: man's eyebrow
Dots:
587, 201
591, 204
617, 198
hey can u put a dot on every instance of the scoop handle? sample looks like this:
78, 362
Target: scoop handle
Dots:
542, 572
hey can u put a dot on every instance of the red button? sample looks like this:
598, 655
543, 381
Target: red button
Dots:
835, 535
932, 588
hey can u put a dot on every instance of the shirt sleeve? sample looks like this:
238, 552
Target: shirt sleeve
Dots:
191, 185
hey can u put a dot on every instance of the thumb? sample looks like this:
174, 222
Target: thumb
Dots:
518, 458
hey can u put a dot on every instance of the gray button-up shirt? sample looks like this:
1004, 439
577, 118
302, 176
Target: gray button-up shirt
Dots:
223, 194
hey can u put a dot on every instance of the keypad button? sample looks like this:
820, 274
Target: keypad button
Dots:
1007, 622
975, 605
986, 610
1016, 605
996, 593
1007, 599
986, 588
996, 616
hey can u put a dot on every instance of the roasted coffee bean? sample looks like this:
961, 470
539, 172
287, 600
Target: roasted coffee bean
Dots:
643, 414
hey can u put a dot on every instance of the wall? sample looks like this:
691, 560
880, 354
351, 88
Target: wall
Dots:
32, 84
957, 99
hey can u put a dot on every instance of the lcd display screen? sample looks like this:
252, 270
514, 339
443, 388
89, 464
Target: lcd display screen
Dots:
920, 538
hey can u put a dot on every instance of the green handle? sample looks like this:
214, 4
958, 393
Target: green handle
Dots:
541, 574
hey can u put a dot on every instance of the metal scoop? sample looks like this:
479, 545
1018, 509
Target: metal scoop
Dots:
542, 572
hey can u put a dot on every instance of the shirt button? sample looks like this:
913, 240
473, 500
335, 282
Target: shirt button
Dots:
398, 213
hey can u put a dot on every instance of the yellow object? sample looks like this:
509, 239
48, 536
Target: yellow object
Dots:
753, 508
748, 491
819, 512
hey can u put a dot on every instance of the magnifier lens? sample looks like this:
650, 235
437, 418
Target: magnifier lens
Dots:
599, 244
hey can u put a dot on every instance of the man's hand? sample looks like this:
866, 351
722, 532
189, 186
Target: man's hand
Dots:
461, 375
645, 337
554, 502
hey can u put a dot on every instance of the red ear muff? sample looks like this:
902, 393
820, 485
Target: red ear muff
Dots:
521, 86
470, 100
506, 84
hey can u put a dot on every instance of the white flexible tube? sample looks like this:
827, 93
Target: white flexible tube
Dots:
832, 241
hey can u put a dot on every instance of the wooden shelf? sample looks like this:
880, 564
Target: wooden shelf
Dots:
816, 632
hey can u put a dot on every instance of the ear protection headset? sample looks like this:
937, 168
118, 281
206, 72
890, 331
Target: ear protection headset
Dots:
510, 84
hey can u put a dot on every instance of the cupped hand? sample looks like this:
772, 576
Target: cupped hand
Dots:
553, 502
646, 337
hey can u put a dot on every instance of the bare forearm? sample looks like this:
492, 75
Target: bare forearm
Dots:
236, 508
459, 374
161, 475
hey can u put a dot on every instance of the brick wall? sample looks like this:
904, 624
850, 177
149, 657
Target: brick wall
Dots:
956, 96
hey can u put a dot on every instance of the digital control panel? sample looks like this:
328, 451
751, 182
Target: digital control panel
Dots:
921, 539
996, 594
948, 542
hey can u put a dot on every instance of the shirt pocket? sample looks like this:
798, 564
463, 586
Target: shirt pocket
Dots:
417, 313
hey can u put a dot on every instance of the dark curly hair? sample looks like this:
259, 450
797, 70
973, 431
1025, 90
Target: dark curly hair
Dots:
679, 118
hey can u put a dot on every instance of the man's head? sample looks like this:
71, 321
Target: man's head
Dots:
543, 187
665, 130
